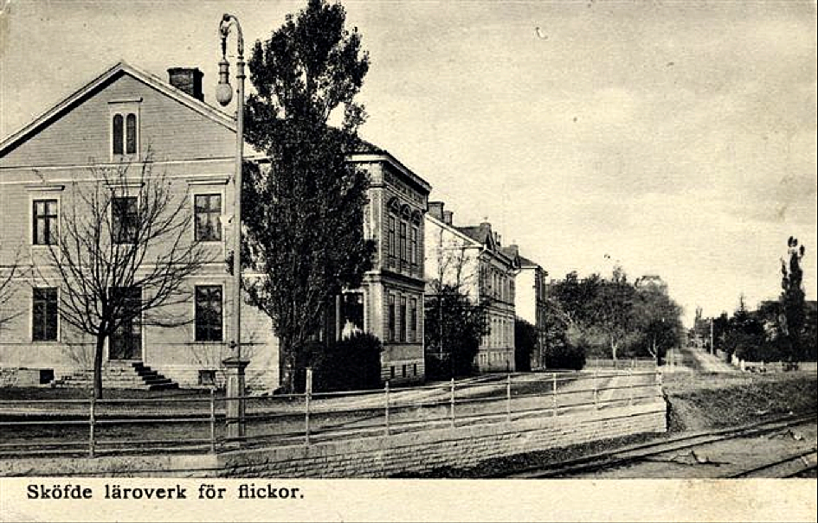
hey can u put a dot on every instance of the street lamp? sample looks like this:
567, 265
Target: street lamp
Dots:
224, 93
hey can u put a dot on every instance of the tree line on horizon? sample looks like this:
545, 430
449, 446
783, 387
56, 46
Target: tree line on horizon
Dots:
785, 329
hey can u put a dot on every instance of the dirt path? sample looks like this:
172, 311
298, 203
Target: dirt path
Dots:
707, 362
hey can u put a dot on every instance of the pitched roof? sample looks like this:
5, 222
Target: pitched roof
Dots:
367, 151
525, 262
480, 233
89, 88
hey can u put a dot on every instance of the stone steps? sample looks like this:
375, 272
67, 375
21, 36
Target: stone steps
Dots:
120, 375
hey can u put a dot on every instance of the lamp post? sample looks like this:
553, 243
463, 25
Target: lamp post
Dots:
224, 92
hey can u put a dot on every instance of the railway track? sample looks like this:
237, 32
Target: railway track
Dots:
788, 467
645, 451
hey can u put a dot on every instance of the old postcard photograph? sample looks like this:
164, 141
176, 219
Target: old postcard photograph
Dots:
372, 260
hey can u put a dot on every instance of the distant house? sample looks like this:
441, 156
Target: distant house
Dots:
117, 118
473, 258
530, 303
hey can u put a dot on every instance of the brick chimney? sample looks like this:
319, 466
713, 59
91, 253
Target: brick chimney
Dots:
436, 210
187, 79
447, 217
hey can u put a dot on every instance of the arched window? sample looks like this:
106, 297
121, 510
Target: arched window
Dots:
118, 134
130, 134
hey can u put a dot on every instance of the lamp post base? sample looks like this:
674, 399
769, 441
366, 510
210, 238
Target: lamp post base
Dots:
235, 393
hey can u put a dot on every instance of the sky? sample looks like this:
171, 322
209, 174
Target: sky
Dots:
675, 138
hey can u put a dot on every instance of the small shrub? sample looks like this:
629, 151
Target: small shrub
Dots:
352, 363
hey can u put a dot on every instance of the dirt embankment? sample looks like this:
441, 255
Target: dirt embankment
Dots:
704, 401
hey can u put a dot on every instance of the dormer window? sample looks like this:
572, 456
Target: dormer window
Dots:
124, 128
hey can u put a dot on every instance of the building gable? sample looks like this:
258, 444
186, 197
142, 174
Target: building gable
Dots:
170, 123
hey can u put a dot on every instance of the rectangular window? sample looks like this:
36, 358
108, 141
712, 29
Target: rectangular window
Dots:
391, 316
403, 370
413, 320
208, 313
126, 341
352, 313
45, 222
207, 217
125, 218
44, 314
403, 323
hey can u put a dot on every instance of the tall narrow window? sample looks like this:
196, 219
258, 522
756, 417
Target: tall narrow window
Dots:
118, 134
413, 320
403, 256
45, 222
352, 313
125, 218
391, 247
413, 245
208, 313
44, 314
391, 316
404, 325
130, 134
207, 217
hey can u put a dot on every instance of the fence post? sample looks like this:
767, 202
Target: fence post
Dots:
554, 405
307, 398
91, 426
451, 404
212, 419
508, 398
658, 380
596, 391
386, 406
630, 387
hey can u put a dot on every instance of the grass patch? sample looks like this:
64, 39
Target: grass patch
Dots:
706, 401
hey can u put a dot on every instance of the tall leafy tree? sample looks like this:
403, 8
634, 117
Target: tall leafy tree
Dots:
792, 297
525, 343
613, 310
657, 316
304, 211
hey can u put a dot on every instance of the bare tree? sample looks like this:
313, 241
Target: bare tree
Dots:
122, 255
7, 292
455, 322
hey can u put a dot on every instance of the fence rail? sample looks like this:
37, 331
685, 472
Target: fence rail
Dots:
198, 424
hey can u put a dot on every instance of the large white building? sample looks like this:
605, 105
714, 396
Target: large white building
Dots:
473, 258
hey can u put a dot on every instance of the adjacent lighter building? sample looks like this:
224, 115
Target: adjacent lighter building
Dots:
117, 119
473, 258
530, 304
